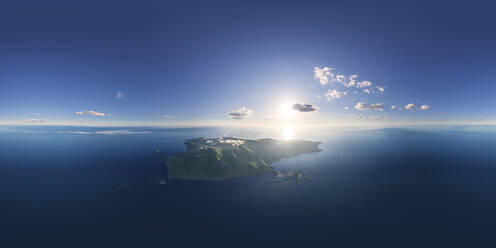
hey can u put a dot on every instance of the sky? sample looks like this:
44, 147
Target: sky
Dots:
248, 62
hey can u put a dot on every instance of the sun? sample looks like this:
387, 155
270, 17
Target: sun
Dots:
286, 112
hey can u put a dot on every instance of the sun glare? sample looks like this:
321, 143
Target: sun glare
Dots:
286, 112
287, 132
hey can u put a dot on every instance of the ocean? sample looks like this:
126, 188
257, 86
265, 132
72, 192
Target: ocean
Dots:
416, 186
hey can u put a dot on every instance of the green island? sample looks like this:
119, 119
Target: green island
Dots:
231, 157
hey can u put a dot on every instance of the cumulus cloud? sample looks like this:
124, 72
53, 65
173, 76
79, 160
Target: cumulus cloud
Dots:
410, 106
364, 106
35, 121
323, 75
425, 107
364, 84
334, 94
79, 113
91, 112
346, 108
366, 91
302, 107
169, 117
341, 79
119, 95
393, 107
379, 88
351, 81
327, 75
241, 113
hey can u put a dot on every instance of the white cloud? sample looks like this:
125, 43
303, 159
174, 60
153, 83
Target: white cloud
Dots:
35, 121
169, 117
364, 84
346, 108
351, 81
302, 107
323, 74
341, 79
379, 88
122, 132
410, 106
119, 95
425, 107
364, 106
79, 113
366, 91
334, 94
393, 107
91, 112
241, 113
75, 132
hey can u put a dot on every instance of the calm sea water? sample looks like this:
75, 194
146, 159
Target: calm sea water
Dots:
393, 187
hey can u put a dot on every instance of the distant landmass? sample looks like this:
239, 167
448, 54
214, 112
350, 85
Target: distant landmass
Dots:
231, 157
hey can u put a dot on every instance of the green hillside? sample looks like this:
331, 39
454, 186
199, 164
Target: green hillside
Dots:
230, 157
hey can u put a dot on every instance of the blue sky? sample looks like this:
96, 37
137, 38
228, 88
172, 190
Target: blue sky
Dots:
206, 62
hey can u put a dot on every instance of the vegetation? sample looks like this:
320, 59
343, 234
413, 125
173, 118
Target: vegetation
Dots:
230, 157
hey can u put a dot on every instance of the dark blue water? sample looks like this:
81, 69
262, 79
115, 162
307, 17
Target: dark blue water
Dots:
393, 187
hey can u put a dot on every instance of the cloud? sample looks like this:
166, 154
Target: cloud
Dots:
79, 113
34, 121
364, 106
346, 108
121, 132
341, 79
91, 112
425, 107
302, 107
364, 84
169, 117
326, 75
119, 95
241, 113
410, 106
377, 117
393, 107
75, 132
366, 91
323, 74
334, 94
351, 81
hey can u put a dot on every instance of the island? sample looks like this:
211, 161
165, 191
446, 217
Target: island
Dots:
231, 157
